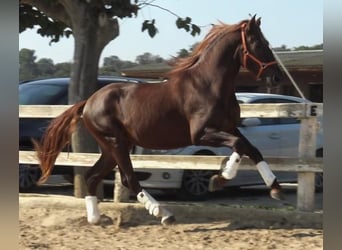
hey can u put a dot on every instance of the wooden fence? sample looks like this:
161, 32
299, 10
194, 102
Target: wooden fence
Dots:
306, 164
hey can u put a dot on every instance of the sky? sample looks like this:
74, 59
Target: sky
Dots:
288, 22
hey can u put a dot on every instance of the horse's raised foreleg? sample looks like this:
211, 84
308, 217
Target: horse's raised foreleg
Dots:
213, 137
266, 173
241, 146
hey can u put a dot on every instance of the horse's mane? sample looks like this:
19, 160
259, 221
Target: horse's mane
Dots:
214, 35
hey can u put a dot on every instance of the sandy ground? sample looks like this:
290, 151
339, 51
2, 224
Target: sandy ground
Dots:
59, 222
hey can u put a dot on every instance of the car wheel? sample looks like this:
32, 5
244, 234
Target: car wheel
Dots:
195, 184
28, 176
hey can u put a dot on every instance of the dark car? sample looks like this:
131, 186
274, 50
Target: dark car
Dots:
52, 91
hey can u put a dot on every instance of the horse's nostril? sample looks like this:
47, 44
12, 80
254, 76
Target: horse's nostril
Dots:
276, 78
273, 79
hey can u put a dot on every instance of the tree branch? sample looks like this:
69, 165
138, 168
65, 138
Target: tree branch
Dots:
53, 9
159, 7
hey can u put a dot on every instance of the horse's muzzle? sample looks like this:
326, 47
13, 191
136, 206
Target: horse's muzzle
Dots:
276, 77
272, 80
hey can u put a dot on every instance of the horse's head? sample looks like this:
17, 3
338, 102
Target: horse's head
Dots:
255, 53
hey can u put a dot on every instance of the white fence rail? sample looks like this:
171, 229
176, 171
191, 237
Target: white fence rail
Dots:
306, 165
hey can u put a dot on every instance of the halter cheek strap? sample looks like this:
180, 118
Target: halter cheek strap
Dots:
246, 54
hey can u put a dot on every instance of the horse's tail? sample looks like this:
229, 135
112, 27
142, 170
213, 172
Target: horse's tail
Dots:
56, 137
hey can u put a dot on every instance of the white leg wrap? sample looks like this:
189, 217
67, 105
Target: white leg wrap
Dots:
153, 206
93, 214
266, 173
230, 170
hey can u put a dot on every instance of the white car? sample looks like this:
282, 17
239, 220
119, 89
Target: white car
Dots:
272, 136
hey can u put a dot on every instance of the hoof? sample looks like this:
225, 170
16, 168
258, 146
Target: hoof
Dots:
277, 194
94, 220
216, 182
168, 220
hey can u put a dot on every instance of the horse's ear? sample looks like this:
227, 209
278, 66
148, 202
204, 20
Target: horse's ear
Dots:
251, 23
258, 21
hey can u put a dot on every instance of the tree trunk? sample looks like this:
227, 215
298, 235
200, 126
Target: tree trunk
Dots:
88, 47
92, 29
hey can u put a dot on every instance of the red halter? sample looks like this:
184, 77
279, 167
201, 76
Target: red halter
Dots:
246, 54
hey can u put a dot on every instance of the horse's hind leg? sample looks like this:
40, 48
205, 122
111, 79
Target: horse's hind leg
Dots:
104, 165
94, 175
121, 154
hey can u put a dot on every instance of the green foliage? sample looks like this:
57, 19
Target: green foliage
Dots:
185, 23
45, 67
150, 27
314, 47
29, 17
281, 48
113, 65
183, 53
30, 69
118, 8
27, 65
181, 23
302, 47
62, 69
148, 58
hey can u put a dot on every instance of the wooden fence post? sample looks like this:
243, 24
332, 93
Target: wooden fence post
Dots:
307, 149
121, 193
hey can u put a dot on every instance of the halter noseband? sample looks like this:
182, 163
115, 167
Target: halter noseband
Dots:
246, 54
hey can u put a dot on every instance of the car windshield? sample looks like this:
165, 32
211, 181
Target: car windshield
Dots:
35, 94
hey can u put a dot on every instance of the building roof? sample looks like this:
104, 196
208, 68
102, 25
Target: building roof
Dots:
305, 60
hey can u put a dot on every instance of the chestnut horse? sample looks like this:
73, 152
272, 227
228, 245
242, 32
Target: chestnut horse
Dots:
196, 106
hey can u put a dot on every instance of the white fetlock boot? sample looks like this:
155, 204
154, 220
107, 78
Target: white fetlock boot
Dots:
217, 182
269, 179
266, 173
232, 165
154, 208
93, 213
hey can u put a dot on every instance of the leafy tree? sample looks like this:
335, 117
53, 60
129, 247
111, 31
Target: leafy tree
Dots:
315, 47
148, 58
45, 67
302, 47
281, 48
62, 69
183, 53
93, 24
27, 65
318, 46
112, 65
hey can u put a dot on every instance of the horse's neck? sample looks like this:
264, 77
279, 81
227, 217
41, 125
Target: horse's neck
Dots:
213, 74
219, 70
